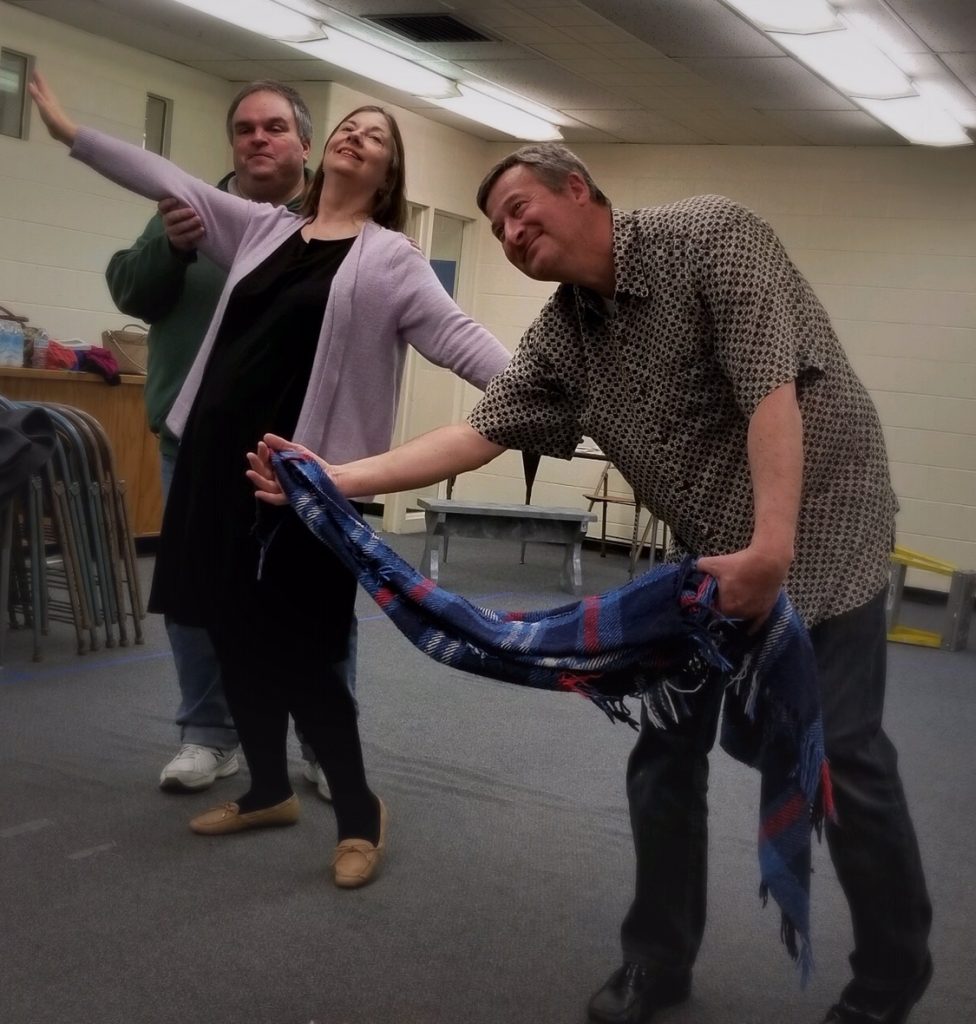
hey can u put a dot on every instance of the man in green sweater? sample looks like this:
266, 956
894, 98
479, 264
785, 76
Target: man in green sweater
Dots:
162, 280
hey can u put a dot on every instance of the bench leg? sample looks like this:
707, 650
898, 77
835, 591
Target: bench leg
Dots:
430, 562
572, 574
431, 558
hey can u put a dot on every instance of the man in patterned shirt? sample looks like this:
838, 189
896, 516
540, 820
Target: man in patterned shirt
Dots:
687, 345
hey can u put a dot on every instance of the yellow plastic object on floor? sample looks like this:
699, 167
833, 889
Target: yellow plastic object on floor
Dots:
959, 607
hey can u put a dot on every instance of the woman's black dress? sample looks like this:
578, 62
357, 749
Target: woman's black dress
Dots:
254, 383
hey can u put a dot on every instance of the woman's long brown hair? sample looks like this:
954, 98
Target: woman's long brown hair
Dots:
390, 202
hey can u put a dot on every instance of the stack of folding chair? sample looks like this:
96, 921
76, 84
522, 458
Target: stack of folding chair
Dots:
68, 546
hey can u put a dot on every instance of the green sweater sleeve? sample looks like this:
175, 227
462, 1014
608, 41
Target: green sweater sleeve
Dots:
146, 280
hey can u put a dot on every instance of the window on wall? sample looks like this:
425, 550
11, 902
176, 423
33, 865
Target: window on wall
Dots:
158, 116
445, 250
14, 69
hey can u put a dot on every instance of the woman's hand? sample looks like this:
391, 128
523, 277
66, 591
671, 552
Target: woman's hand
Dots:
262, 474
59, 125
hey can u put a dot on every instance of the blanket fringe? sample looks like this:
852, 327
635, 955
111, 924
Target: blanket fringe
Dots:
823, 805
797, 946
615, 708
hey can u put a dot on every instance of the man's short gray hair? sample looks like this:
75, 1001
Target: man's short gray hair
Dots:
303, 119
551, 162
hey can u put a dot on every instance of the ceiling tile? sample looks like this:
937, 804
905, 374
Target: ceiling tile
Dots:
547, 83
689, 28
508, 17
734, 126
563, 52
600, 33
769, 82
639, 126
628, 51
536, 35
590, 66
948, 26
963, 66
647, 90
567, 16
837, 127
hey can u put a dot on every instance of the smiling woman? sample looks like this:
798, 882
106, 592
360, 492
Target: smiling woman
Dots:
286, 354
367, 139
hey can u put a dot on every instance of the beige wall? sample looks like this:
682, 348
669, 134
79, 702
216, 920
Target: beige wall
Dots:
887, 237
60, 222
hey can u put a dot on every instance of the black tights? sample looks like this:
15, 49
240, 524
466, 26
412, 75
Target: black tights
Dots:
278, 641
267, 681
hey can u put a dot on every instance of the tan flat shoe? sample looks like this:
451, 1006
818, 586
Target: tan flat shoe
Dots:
357, 861
223, 820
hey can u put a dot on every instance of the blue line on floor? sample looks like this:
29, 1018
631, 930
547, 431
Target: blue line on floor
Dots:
87, 663
95, 661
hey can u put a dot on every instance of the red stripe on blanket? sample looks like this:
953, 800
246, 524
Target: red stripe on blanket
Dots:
384, 596
591, 622
792, 811
421, 590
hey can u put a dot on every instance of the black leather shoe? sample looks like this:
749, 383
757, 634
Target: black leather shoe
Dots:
859, 1006
633, 993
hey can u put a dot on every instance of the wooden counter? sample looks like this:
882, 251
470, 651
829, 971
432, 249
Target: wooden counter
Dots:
122, 414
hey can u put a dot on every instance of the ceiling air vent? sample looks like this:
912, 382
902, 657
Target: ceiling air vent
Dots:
429, 28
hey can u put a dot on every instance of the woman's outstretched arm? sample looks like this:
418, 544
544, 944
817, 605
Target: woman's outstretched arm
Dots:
225, 217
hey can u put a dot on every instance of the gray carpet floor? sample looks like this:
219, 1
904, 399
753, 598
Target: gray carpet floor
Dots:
510, 864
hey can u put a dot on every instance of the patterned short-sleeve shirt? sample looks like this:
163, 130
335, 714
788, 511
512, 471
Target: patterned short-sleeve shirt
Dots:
709, 316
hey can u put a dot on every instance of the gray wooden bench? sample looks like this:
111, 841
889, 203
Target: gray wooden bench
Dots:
447, 518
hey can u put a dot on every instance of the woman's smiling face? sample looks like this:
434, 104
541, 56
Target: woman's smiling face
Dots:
361, 147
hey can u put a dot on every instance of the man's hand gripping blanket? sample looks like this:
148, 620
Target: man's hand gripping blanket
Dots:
657, 638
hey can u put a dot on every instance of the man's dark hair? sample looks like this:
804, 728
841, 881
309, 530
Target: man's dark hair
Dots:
551, 162
303, 119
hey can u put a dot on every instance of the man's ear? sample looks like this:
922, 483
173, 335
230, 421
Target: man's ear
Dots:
577, 187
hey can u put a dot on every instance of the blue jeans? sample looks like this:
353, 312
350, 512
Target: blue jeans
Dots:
872, 843
203, 715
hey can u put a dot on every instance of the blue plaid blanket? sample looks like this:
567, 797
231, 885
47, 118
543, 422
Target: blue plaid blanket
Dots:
658, 638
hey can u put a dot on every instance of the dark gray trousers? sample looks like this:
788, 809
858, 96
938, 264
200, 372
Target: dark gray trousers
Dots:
872, 844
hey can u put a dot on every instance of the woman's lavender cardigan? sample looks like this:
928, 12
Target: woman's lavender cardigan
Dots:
383, 297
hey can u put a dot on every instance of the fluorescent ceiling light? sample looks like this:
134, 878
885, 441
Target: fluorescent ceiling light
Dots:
787, 15
949, 100
264, 17
378, 65
918, 120
847, 61
519, 102
871, 28
496, 114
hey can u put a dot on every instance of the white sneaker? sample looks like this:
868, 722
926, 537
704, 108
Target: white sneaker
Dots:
196, 767
314, 774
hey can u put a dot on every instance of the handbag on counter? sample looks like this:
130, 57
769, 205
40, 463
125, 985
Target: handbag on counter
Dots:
129, 346
14, 347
